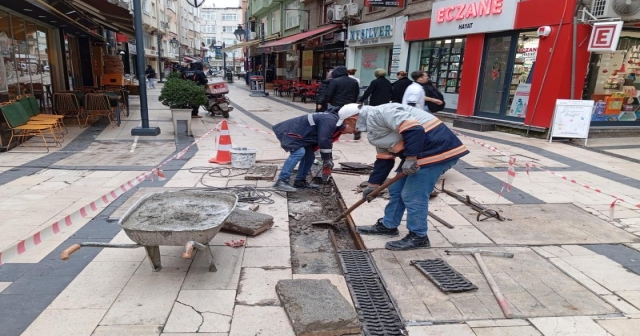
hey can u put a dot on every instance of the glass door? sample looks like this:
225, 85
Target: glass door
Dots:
495, 76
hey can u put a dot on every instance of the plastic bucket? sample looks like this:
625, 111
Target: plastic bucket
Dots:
242, 157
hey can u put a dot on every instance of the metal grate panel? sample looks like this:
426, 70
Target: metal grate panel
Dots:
373, 304
443, 275
598, 7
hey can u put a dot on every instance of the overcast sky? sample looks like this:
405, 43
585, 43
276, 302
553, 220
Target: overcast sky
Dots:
223, 3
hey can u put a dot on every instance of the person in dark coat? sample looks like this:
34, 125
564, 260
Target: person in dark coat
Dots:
399, 87
321, 95
300, 135
151, 76
195, 74
342, 89
379, 89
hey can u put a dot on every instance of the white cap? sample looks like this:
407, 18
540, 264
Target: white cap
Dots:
348, 111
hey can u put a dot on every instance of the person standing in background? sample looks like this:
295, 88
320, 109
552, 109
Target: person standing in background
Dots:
399, 87
151, 76
352, 74
342, 90
379, 89
321, 95
415, 94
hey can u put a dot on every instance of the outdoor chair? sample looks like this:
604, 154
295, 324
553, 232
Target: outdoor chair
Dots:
67, 105
21, 129
97, 105
30, 105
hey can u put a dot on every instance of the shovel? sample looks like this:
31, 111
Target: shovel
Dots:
332, 223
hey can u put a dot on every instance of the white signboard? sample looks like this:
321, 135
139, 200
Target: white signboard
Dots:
520, 101
571, 119
605, 36
462, 17
371, 33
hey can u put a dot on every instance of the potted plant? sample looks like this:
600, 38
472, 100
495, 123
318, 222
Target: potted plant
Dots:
180, 95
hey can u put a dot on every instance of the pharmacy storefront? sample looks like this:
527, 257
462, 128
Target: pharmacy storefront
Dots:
484, 56
377, 44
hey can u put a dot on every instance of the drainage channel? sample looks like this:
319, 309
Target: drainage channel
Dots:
376, 310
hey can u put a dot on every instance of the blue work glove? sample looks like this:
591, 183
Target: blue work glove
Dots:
410, 167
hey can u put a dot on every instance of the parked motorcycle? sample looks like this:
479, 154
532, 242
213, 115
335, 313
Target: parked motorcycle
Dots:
218, 103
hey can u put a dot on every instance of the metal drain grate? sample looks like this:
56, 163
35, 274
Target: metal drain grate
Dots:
443, 275
373, 304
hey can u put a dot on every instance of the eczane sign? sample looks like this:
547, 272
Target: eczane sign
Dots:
462, 17
605, 36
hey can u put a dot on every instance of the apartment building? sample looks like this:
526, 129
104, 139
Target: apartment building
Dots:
218, 27
164, 20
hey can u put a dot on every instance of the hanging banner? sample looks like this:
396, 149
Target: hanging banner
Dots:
307, 64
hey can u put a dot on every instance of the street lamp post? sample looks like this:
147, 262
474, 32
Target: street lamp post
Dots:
234, 60
224, 62
144, 129
160, 67
176, 45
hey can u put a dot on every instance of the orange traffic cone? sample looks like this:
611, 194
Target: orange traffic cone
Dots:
224, 148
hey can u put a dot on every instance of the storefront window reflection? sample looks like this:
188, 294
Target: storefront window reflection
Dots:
25, 63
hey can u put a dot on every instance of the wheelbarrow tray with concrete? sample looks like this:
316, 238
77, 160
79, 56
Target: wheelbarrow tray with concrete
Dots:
172, 218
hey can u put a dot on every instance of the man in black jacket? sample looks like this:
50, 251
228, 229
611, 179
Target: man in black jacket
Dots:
321, 95
300, 135
379, 89
195, 74
342, 89
399, 87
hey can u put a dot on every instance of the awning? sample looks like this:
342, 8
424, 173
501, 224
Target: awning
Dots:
40, 10
250, 43
287, 42
191, 59
109, 15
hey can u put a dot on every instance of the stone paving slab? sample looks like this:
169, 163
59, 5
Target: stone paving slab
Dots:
620, 327
572, 325
543, 224
532, 286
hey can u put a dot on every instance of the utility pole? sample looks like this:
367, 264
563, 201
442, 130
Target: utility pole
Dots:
160, 67
224, 61
144, 129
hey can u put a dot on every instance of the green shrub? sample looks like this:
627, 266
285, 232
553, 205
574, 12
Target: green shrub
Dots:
174, 75
179, 93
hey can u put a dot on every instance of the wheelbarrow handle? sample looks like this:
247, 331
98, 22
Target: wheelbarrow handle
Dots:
69, 251
66, 254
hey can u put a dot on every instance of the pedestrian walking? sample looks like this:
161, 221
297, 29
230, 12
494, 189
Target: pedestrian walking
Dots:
352, 75
436, 103
151, 76
399, 87
195, 74
426, 148
379, 89
300, 135
342, 90
321, 94
415, 95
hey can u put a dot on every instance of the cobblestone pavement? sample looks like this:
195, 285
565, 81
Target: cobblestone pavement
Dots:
576, 269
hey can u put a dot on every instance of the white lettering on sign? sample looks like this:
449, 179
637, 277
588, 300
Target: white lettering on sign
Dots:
469, 10
464, 17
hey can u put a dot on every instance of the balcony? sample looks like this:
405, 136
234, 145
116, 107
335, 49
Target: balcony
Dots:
261, 7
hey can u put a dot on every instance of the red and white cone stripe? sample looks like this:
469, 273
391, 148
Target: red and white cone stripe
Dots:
88, 210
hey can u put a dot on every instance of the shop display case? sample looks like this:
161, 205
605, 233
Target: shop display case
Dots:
443, 60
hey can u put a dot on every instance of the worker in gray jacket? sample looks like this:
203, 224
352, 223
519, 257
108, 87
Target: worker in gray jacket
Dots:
427, 148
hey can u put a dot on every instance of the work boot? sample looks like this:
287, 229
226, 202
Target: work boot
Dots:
409, 242
284, 186
378, 229
303, 184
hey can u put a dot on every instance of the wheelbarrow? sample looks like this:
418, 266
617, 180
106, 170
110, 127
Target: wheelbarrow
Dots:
172, 218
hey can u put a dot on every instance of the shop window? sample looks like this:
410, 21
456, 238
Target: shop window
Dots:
523, 66
325, 9
613, 82
442, 59
374, 9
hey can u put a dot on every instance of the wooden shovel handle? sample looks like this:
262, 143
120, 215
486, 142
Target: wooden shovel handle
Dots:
384, 186
64, 255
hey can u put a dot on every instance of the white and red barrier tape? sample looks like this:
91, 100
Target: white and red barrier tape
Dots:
86, 211
511, 173
271, 133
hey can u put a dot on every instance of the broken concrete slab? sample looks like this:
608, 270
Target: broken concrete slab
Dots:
316, 307
261, 172
248, 222
247, 206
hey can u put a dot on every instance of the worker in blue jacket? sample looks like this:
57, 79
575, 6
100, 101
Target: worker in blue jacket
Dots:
427, 149
300, 135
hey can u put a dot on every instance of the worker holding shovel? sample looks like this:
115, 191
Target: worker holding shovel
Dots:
427, 148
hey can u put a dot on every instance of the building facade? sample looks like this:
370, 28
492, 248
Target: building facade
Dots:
218, 27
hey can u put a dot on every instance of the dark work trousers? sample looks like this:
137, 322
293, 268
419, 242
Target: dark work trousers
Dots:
194, 111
